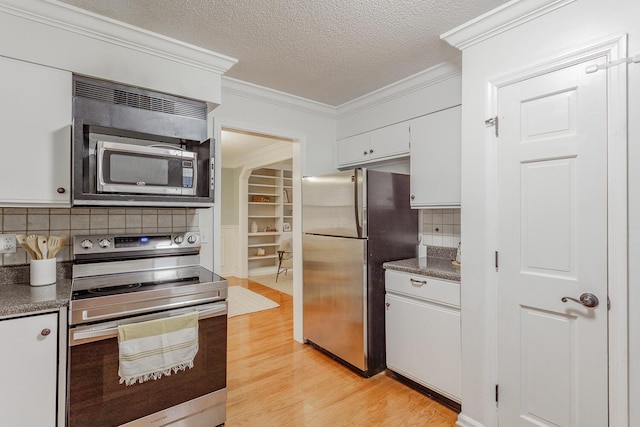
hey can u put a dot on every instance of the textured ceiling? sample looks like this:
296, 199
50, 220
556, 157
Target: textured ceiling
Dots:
330, 51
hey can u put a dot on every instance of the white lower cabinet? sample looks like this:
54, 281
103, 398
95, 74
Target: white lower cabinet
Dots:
29, 364
422, 334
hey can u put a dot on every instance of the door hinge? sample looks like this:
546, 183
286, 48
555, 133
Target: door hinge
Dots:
496, 260
497, 393
608, 304
493, 121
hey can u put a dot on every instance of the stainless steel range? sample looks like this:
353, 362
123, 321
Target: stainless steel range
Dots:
125, 279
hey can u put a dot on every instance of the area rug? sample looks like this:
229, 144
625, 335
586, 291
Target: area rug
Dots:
284, 283
243, 301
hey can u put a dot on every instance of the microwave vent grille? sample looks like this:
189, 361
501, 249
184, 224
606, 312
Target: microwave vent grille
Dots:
132, 99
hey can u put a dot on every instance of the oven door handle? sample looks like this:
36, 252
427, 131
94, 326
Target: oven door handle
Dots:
107, 330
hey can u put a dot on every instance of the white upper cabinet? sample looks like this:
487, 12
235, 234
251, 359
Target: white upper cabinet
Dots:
435, 159
386, 143
391, 141
35, 123
354, 150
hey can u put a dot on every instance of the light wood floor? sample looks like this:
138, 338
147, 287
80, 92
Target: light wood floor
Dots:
273, 380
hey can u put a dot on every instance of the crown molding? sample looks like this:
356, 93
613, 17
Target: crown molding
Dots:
499, 20
413, 83
275, 97
75, 20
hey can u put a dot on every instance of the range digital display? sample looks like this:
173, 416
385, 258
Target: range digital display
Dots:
140, 241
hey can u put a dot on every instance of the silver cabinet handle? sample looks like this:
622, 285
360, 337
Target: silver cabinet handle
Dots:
586, 299
45, 332
418, 283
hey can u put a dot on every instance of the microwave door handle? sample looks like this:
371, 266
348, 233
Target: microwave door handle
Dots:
99, 163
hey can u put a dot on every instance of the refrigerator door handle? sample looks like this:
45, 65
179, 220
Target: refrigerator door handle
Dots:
356, 201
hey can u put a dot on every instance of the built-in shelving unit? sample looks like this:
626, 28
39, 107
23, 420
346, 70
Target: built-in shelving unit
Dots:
269, 216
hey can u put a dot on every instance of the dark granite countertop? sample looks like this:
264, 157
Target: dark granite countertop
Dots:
440, 268
18, 297
21, 298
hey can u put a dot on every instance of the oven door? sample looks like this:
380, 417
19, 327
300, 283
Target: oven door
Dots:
196, 396
130, 168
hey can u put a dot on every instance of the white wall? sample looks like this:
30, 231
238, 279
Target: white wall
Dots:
229, 248
275, 113
312, 127
229, 197
567, 29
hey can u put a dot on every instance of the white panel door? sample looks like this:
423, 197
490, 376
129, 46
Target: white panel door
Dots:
552, 238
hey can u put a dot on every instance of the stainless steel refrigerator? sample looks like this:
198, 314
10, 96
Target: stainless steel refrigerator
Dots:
352, 221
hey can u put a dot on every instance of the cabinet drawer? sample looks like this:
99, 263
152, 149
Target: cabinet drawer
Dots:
427, 288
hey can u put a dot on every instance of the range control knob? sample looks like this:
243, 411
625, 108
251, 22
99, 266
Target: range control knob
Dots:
104, 243
192, 238
86, 244
178, 239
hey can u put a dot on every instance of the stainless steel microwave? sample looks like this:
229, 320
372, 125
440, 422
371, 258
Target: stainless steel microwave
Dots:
135, 169
135, 147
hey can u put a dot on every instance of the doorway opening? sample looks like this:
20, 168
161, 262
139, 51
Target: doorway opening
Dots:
257, 209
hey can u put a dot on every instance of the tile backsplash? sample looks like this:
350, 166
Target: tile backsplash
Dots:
441, 227
90, 221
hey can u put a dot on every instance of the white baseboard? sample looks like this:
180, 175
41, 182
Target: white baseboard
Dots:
464, 421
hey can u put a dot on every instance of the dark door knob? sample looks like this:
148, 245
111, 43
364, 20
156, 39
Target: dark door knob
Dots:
586, 299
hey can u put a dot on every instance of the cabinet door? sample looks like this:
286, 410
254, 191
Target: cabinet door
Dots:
435, 159
353, 150
390, 141
423, 343
35, 119
28, 361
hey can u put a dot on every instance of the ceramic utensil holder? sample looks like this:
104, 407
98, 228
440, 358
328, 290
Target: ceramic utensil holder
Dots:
43, 271
43, 293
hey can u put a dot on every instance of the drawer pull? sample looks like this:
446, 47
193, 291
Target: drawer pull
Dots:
418, 283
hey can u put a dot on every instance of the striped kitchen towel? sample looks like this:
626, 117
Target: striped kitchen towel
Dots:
149, 350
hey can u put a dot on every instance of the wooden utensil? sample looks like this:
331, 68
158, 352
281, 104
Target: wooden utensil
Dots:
22, 240
32, 241
55, 243
42, 245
